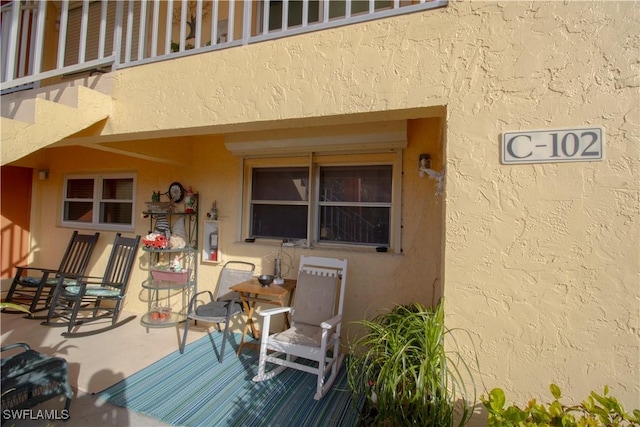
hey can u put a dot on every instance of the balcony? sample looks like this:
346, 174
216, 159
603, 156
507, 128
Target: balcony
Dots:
44, 43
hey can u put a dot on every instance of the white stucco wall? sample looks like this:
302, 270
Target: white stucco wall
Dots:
540, 263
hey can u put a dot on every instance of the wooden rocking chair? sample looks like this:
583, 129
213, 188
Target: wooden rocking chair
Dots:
92, 299
30, 283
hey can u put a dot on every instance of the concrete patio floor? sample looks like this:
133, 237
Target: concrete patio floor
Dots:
99, 361
95, 363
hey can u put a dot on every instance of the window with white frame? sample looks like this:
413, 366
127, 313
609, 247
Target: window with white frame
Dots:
278, 193
346, 200
354, 204
99, 201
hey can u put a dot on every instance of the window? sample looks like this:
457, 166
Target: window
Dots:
278, 193
345, 202
100, 201
355, 204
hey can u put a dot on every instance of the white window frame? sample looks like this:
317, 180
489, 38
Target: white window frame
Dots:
314, 162
97, 199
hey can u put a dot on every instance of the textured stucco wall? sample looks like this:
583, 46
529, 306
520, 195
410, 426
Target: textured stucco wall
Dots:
540, 263
542, 260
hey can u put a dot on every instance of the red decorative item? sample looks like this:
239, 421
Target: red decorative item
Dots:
160, 242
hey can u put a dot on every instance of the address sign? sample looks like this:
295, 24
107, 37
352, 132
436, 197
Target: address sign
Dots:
553, 146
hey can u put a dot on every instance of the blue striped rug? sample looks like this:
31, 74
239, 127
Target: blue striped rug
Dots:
194, 389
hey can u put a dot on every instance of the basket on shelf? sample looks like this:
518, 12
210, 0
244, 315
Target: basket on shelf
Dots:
159, 207
170, 276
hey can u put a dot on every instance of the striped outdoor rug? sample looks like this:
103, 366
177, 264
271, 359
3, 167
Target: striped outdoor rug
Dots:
194, 389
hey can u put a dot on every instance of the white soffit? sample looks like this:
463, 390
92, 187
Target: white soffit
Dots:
365, 137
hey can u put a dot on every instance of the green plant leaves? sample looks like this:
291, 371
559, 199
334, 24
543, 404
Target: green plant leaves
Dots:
401, 360
595, 411
497, 399
555, 391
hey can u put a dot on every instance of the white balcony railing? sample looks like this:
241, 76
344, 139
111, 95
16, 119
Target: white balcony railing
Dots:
45, 39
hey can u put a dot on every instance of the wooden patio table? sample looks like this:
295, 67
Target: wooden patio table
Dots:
252, 292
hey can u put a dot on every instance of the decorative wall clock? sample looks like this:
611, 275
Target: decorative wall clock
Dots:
176, 192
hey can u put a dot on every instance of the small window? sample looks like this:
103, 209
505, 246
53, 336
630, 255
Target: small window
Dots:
101, 202
278, 193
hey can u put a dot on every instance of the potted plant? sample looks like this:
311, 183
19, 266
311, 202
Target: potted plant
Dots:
400, 374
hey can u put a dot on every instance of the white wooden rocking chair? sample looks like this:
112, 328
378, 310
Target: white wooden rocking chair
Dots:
316, 321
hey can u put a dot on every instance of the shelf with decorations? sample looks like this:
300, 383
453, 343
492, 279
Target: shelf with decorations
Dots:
172, 248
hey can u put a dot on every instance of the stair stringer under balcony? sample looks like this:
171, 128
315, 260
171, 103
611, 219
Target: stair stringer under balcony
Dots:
52, 122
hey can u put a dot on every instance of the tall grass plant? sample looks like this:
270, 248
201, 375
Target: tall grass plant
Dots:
401, 374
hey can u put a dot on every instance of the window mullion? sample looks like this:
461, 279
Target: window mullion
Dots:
280, 202
97, 199
357, 204
314, 209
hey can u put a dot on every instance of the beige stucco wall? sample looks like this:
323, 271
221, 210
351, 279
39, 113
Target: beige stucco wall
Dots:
540, 263
542, 260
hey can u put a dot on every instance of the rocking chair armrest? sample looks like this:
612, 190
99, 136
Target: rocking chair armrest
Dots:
86, 280
43, 270
80, 277
272, 311
331, 323
102, 283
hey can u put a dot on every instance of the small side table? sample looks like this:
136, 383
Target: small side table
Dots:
252, 292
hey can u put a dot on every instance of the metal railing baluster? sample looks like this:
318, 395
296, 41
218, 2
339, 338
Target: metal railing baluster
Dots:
24, 22
84, 23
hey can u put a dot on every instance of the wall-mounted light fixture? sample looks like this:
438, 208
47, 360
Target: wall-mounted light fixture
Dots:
43, 174
424, 168
424, 163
